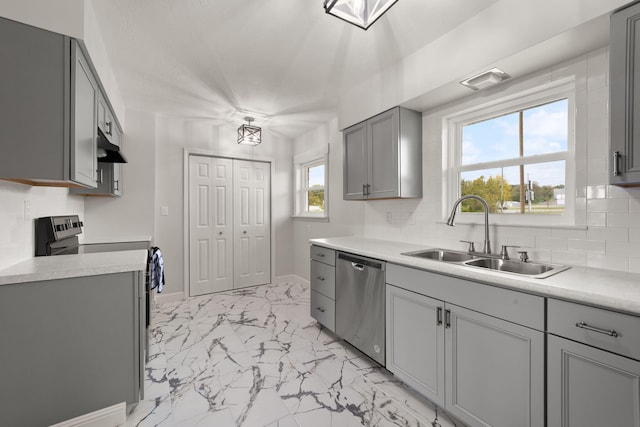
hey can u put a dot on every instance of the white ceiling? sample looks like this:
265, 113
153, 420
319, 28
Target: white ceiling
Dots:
284, 61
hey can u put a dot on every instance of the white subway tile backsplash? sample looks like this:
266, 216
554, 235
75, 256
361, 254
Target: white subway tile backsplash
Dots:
609, 234
608, 205
634, 205
596, 191
634, 235
595, 246
569, 258
608, 262
596, 219
634, 265
553, 243
568, 233
623, 220
623, 249
615, 192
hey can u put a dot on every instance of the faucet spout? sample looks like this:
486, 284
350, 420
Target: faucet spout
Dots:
451, 220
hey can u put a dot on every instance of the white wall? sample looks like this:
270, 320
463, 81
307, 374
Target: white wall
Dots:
612, 240
173, 136
345, 217
132, 214
17, 233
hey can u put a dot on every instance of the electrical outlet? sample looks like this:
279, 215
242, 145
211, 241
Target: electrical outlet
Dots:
28, 215
164, 211
389, 217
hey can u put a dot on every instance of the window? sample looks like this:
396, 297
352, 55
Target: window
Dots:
314, 187
311, 185
517, 154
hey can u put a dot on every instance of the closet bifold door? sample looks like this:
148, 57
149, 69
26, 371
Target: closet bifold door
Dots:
252, 219
210, 225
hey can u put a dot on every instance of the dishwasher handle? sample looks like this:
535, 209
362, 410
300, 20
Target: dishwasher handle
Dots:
359, 263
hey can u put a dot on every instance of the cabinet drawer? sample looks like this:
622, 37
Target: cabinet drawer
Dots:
595, 327
327, 256
323, 309
323, 279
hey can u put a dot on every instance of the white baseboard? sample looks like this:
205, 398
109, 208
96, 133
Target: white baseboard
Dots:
167, 298
288, 278
113, 416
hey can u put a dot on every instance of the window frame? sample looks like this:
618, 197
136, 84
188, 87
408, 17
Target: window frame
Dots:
522, 100
302, 163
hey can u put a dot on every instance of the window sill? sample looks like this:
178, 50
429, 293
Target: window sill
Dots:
310, 218
494, 224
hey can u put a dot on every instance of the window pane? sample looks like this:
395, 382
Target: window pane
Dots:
315, 201
489, 140
537, 189
316, 176
545, 128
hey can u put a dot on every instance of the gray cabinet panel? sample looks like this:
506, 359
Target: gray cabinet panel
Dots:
70, 346
415, 341
624, 86
84, 99
323, 279
323, 309
382, 175
383, 156
355, 162
494, 371
588, 387
324, 255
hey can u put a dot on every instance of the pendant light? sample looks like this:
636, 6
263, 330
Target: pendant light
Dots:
248, 134
361, 13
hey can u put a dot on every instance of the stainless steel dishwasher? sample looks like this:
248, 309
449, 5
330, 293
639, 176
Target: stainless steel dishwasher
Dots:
360, 304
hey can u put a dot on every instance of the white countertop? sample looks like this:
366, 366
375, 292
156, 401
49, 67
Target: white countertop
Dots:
82, 239
610, 289
66, 266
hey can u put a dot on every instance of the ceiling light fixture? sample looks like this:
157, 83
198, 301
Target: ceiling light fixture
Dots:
361, 13
485, 79
248, 134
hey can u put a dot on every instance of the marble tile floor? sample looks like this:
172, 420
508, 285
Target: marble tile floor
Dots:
255, 358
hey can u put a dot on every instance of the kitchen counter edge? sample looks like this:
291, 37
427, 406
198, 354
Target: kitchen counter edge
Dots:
67, 266
614, 290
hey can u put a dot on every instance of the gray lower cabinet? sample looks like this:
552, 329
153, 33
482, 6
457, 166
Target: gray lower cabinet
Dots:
593, 366
471, 358
48, 108
624, 87
383, 156
70, 347
322, 279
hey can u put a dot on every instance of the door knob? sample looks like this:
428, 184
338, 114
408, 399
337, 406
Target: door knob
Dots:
220, 233
244, 232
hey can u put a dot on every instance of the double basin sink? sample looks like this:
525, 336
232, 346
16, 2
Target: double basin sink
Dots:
529, 269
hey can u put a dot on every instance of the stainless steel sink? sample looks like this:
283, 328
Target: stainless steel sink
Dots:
442, 255
532, 269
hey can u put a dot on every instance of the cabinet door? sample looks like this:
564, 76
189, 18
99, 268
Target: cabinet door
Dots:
494, 370
355, 162
588, 387
625, 96
415, 341
84, 103
383, 140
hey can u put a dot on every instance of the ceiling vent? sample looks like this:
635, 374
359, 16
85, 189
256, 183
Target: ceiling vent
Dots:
485, 79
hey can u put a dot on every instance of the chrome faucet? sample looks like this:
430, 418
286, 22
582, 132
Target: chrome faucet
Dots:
450, 221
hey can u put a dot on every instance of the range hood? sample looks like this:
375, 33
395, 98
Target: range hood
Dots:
108, 152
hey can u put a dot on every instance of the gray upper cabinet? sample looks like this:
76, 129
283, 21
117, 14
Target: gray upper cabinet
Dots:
624, 86
383, 156
47, 109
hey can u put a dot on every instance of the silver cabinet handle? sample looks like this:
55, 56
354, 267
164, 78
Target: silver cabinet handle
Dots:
439, 316
116, 185
320, 278
447, 318
368, 189
610, 332
616, 163
357, 266
364, 189
320, 309
110, 126
320, 255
